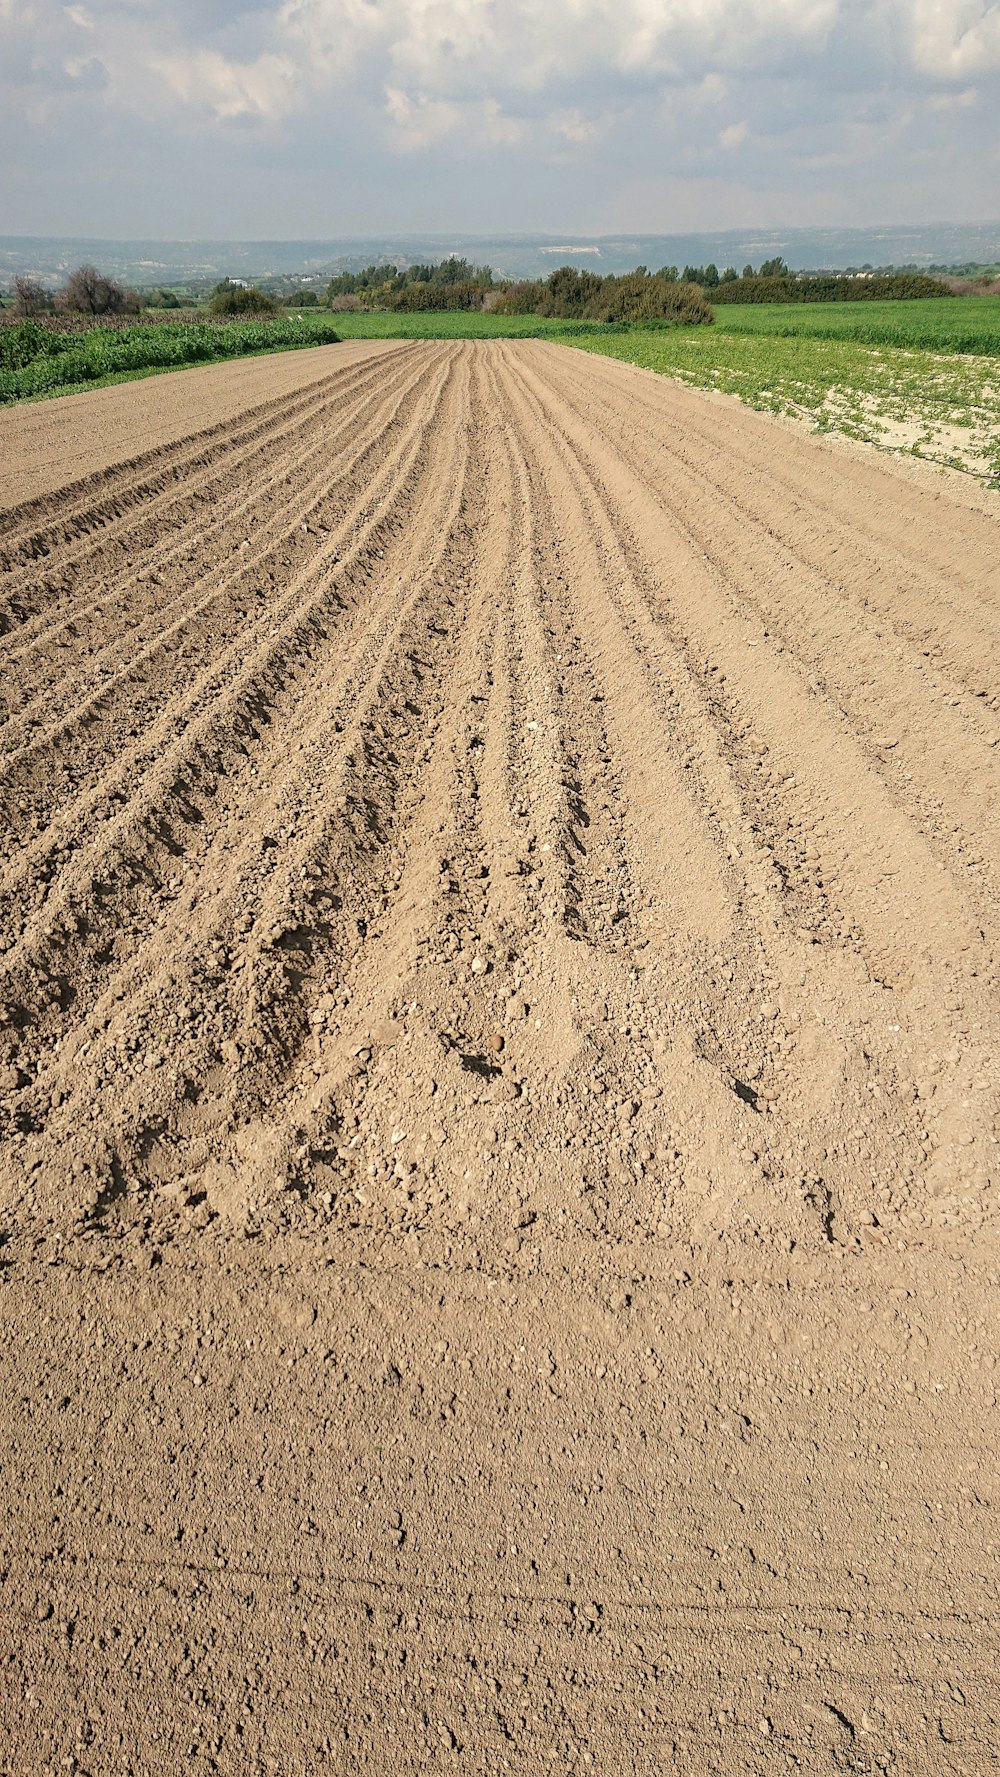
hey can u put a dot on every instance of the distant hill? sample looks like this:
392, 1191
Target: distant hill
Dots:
148, 262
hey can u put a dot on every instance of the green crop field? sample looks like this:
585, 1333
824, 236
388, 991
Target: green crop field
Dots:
36, 360
458, 324
953, 324
962, 324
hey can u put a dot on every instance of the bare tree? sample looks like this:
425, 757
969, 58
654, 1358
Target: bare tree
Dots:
30, 297
89, 292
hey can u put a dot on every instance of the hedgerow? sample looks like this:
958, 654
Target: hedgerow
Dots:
635, 297
899, 287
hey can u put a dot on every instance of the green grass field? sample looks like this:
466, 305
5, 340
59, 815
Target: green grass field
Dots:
960, 324
458, 325
954, 324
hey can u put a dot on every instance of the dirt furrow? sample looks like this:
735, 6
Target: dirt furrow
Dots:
705, 970
498, 1078
259, 889
141, 671
929, 736
944, 980
886, 556
300, 574
138, 837
149, 482
135, 564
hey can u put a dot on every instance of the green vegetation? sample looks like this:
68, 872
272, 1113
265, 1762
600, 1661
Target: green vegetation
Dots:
942, 407
822, 288
455, 324
775, 283
949, 324
566, 294
384, 282
36, 359
241, 299
636, 297
973, 269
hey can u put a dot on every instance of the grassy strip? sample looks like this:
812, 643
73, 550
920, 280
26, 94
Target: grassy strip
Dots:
461, 324
945, 408
34, 362
954, 324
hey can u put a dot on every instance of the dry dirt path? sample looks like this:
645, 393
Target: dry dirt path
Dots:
500, 1046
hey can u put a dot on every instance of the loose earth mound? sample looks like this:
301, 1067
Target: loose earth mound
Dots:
499, 1059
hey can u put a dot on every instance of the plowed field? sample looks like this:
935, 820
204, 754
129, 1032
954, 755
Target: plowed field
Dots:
499, 1047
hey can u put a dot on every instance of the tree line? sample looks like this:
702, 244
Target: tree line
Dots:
85, 292
386, 278
668, 294
586, 295
894, 287
566, 293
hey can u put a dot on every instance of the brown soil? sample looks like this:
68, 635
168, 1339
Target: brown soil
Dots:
499, 1063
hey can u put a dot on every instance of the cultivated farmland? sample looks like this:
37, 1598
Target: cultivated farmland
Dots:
499, 1076
908, 377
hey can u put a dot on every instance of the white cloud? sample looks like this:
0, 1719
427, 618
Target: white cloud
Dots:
960, 101
420, 120
264, 88
443, 46
956, 38
512, 70
574, 127
735, 135
680, 95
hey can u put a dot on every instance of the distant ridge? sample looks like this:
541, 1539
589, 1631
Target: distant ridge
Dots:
514, 255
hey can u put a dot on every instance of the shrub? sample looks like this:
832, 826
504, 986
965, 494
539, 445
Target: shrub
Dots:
634, 298
30, 298
89, 292
233, 299
570, 290
414, 298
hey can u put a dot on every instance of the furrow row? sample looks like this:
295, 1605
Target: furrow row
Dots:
122, 841
226, 584
271, 909
35, 531
109, 572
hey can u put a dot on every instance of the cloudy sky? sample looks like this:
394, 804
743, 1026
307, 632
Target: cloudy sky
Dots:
252, 118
